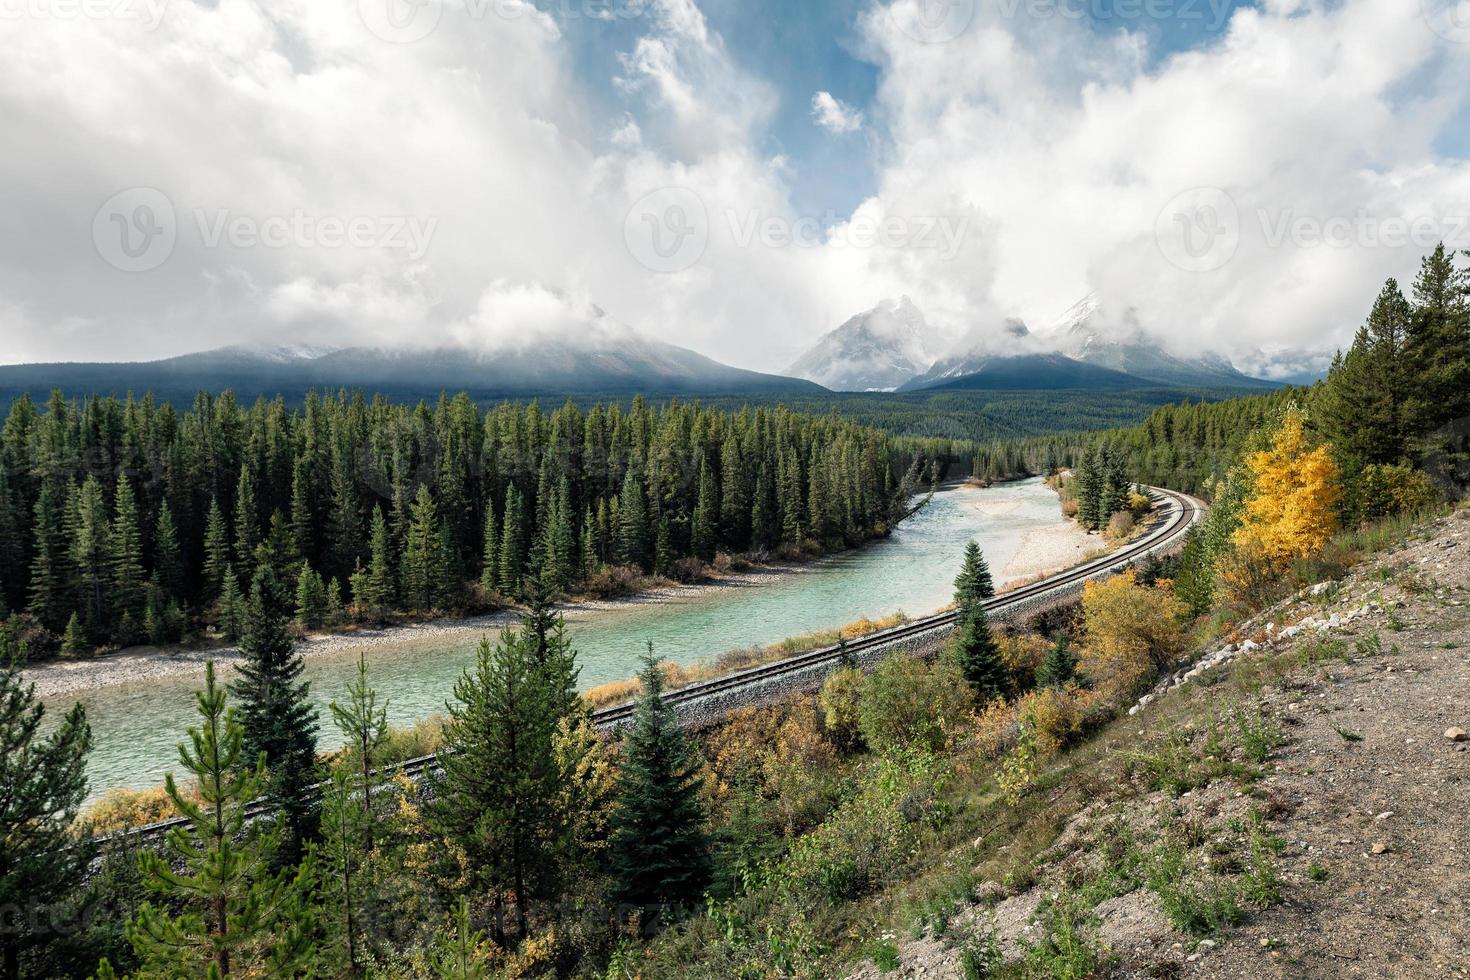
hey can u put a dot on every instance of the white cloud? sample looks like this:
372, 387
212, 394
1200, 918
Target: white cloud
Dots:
1058, 148
834, 115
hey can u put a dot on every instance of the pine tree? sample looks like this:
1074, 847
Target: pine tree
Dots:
247, 522
706, 515
973, 584
381, 591
658, 852
762, 517
663, 547
346, 516
363, 723
311, 599
168, 563
1362, 406
276, 713
303, 543
489, 551
216, 551
978, 656
421, 553
239, 917
48, 601
45, 782
339, 859
1438, 344
231, 607
74, 641
497, 798
512, 544
90, 558
125, 546
1059, 667
633, 544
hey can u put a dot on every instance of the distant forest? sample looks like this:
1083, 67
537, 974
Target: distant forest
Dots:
123, 521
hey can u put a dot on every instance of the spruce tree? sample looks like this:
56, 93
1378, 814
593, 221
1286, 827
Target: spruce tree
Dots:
276, 713
363, 723
497, 797
126, 554
238, 917
658, 851
230, 612
90, 557
44, 783
74, 641
216, 551
633, 543
48, 599
489, 551
1059, 666
1438, 343
247, 522
421, 553
706, 515
512, 544
382, 590
168, 563
973, 584
978, 657
311, 599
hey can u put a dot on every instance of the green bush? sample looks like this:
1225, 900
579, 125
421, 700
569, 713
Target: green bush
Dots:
908, 701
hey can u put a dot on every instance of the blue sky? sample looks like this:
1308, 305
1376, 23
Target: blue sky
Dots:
802, 47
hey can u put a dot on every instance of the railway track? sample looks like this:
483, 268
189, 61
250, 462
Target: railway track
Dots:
1165, 531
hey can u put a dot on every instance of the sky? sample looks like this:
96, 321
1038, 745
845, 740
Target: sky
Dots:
736, 176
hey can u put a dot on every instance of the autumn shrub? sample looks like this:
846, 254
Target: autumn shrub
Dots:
1133, 634
123, 809
1139, 504
423, 737
1250, 578
689, 570
867, 627
1293, 510
841, 700
1120, 525
1022, 654
1056, 716
909, 700
995, 728
613, 582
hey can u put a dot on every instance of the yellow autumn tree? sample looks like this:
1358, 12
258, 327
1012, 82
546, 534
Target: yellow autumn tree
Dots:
1133, 633
1292, 510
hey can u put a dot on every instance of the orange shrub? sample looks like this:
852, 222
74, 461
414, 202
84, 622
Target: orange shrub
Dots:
1133, 634
123, 809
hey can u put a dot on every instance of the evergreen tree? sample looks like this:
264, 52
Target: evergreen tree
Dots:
489, 551
311, 599
231, 607
512, 544
706, 515
168, 563
276, 713
1363, 403
363, 723
216, 551
90, 558
633, 544
339, 859
1059, 667
125, 547
48, 600
658, 852
381, 590
497, 798
247, 522
1438, 344
973, 584
346, 516
762, 517
421, 553
978, 657
74, 641
44, 783
238, 917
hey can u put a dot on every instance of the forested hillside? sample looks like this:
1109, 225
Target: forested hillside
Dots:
122, 521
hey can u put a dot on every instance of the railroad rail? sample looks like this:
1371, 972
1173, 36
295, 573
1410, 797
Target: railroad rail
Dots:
1165, 530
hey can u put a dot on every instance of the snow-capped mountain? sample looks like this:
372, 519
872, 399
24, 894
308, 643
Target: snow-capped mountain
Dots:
1084, 334
876, 350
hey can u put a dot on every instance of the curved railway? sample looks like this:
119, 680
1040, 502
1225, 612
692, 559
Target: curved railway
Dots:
1165, 531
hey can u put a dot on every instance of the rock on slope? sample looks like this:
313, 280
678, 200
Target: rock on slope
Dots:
1362, 805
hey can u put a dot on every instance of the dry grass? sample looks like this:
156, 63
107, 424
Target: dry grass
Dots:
675, 675
122, 809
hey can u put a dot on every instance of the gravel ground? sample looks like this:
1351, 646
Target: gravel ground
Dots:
1370, 794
